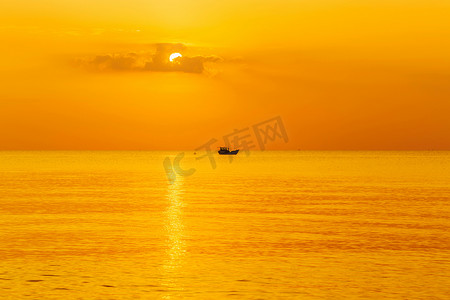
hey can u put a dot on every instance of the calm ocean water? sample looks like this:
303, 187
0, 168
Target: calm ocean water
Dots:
271, 225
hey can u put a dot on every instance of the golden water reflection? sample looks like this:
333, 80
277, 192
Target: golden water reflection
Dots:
274, 225
175, 243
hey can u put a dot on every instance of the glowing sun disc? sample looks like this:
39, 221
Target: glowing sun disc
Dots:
174, 55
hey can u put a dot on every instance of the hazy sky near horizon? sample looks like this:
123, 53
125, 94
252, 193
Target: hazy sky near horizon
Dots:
341, 74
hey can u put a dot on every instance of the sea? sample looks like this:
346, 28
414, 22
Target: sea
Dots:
258, 225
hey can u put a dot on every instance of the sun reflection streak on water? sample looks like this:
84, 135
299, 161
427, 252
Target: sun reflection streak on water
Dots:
175, 245
273, 225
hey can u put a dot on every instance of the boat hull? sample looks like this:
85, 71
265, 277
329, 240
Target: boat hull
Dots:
234, 152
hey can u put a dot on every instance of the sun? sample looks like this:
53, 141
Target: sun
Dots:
174, 55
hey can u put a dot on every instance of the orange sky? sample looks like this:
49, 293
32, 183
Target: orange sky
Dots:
341, 74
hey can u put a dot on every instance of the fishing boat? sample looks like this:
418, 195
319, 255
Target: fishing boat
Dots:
226, 151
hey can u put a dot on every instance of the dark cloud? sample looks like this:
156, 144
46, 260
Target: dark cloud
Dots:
157, 61
194, 64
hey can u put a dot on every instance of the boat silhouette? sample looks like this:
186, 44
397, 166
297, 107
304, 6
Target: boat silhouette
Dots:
226, 151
